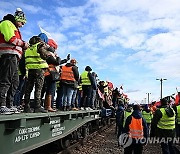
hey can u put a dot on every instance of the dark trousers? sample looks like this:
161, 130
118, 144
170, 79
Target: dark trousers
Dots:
167, 148
20, 90
59, 98
49, 87
120, 130
148, 128
178, 130
35, 77
86, 98
9, 79
134, 149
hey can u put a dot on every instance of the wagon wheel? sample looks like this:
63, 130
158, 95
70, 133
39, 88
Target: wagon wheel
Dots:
64, 143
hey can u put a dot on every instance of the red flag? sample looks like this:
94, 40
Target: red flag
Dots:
157, 103
101, 95
177, 100
110, 84
126, 96
45, 32
51, 41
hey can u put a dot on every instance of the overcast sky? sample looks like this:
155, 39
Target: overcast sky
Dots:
127, 42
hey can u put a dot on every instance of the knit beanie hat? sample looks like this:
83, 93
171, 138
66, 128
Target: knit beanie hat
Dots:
20, 16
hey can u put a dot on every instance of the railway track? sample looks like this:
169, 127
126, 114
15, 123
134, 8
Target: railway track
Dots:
101, 141
89, 136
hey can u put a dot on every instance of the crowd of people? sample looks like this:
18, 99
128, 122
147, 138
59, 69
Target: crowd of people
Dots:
35, 66
161, 123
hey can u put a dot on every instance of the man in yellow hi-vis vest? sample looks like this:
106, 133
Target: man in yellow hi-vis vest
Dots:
163, 126
86, 79
35, 60
147, 115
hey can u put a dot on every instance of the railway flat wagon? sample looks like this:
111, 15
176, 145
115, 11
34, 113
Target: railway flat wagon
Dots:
20, 133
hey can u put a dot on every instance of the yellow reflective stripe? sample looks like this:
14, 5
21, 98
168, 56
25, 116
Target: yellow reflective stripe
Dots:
164, 124
167, 120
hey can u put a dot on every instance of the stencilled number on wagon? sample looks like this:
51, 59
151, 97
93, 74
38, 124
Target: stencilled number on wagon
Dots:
57, 129
27, 133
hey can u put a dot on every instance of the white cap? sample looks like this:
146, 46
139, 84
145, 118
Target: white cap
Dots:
19, 10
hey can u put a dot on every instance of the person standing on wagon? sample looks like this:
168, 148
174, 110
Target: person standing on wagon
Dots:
11, 50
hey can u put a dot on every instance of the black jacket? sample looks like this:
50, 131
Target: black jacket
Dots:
120, 116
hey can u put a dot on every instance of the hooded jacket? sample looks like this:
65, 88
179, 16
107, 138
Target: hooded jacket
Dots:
10, 38
137, 115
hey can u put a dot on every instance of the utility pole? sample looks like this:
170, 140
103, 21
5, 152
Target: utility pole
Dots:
144, 100
161, 80
148, 96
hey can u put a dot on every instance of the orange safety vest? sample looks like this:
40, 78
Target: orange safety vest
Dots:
50, 68
136, 128
67, 73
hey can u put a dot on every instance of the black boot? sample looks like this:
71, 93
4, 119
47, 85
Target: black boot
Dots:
27, 109
64, 108
67, 108
40, 109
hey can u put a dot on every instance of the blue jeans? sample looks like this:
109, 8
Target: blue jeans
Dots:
79, 97
74, 96
20, 91
67, 95
93, 99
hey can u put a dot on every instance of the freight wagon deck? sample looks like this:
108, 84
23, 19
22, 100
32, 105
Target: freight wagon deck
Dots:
23, 132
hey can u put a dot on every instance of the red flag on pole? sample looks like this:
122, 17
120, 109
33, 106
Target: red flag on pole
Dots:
51, 41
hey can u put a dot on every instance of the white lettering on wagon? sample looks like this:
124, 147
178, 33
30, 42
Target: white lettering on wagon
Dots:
27, 133
57, 129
